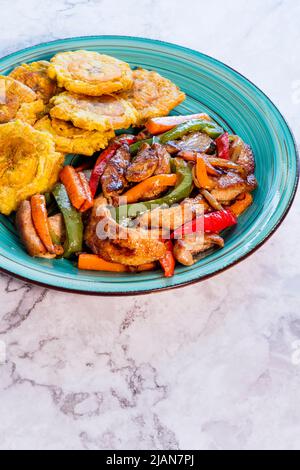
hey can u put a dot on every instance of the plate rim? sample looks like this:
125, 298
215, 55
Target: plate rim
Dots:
204, 277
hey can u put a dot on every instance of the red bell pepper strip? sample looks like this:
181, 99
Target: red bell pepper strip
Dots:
104, 157
222, 143
213, 222
168, 261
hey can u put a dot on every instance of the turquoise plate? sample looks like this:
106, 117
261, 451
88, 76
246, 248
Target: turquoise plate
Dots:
230, 99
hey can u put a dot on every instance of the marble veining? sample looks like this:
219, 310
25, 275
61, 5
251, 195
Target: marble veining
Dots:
211, 366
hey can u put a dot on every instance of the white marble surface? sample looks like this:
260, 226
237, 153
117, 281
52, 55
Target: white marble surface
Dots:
211, 366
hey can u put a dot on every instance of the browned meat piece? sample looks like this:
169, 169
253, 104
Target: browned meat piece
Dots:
171, 148
229, 186
143, 166
113, 179
246, 159
164, 160
27, 232
196, 141
173, 217
191, 245
119, 244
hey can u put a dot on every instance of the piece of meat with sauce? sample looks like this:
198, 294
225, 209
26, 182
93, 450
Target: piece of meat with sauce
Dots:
246, 159
113, 180
186, 249
171, 218
143, 166
28, 233
229, 186
113, 242
164, 160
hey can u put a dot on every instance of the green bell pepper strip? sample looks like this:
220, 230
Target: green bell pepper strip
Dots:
73, 221
182, 190
208, 127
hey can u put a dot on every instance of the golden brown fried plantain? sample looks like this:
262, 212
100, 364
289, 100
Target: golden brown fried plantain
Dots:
31, 112
70, 139
29, 164
14, 96
35, 76
152, 95
90, 73
91, 113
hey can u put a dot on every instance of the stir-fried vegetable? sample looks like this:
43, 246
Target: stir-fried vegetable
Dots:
203, 180
213, 222
189, 160
168, 261
40, 222
77, 188
239, 206
208, 127
211, 200
181, 191
150, 184
223, 146
163, 124
72, 219
95, 263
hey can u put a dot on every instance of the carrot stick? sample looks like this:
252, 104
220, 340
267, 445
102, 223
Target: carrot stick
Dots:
163, 124
239, 206
89, 202
158, 181
95, 263
40, 222
191, 156
146, 267
201, 173
72, 183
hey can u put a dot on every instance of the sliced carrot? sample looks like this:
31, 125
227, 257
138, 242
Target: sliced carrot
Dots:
89, 202
146, 267
40, 222
159, 181
71, 180
95, 263
142, 267
201, 173
188, 155
239, 206
163, 124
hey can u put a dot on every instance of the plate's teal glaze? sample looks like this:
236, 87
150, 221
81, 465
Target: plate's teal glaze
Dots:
230, 99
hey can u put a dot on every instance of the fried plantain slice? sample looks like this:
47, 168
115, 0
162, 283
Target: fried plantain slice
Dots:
90, 73
70, 139
152, 95
31, 112
29, 164
93, 113
35, 76
13, 95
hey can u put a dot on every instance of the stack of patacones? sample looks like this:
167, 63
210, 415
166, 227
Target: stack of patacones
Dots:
77, 100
